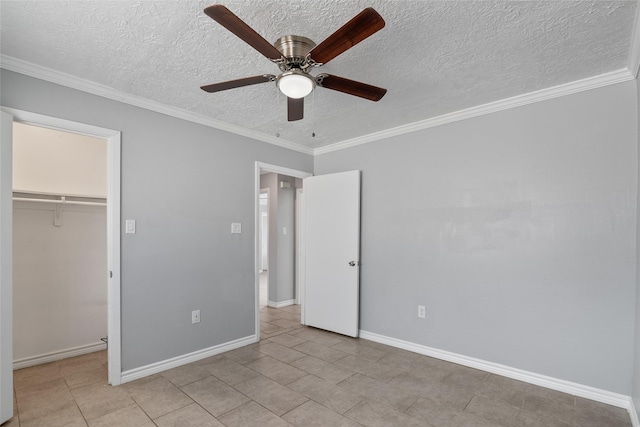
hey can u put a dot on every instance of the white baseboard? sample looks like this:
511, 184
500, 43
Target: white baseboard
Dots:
576, 389
281, 304
154, 368
58, 355
633, 413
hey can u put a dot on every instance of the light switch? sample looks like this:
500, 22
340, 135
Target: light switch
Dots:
130, 226
236, 228
284, 231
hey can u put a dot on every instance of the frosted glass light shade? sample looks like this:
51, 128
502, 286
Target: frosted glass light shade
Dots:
295, 84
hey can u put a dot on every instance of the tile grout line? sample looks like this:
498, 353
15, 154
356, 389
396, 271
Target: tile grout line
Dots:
357, 349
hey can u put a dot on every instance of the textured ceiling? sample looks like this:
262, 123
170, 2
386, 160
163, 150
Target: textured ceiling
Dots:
434, 57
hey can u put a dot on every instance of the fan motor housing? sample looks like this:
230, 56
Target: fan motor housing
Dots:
295, 50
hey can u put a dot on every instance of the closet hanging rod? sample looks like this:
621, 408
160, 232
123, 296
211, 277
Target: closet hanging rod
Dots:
55, 198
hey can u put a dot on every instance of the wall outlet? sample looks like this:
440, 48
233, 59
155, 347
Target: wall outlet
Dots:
195, 316
422, 311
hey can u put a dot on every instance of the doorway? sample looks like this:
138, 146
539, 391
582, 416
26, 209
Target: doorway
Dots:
59, 244
263, 245
112, 228
284, 243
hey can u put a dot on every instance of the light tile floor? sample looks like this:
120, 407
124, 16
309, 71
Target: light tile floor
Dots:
297, 376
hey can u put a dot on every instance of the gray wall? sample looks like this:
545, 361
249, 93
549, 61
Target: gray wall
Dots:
269, 181
281, 246
286, 242
636, 377
59, 280
184, 184
516, 230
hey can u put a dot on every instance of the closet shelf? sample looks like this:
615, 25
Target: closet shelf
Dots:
58, 198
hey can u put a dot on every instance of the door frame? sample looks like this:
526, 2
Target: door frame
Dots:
299, 245
113, 138
261, 167
6, 266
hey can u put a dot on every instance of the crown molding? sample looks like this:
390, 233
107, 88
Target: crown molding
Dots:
73, 82
614, 77
607, 79
634, 52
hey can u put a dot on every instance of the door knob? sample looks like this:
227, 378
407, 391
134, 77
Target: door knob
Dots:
352, 263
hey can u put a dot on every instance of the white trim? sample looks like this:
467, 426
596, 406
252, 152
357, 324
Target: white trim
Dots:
113, 259
259, 167
576, 389
274, 304
64, 79
58, 355
633, 413
281, 170
113, 138
634, 51
299, 242
614, 77
302, 258
260, 236
6, 267
607, 79
57, 123
256, 243
174, 362
53, 76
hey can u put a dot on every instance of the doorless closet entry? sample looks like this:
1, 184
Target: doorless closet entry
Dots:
59, 244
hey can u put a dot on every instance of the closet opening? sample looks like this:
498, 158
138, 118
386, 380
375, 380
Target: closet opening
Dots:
60, 249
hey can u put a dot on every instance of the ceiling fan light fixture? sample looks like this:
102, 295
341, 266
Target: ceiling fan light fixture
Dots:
295, 84
297, 55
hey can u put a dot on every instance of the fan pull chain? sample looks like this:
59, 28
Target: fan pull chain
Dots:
313, 113
277, 95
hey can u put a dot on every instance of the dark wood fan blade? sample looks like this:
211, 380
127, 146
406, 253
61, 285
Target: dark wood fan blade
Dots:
237, 26
351, 87
353, 32
295, 109
232, 84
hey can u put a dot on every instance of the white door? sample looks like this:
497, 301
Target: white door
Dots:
332, 239
6, 249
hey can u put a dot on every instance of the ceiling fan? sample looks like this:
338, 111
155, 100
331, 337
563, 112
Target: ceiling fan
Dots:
297, 55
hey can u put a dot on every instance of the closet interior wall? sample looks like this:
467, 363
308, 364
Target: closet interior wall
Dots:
60, 245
